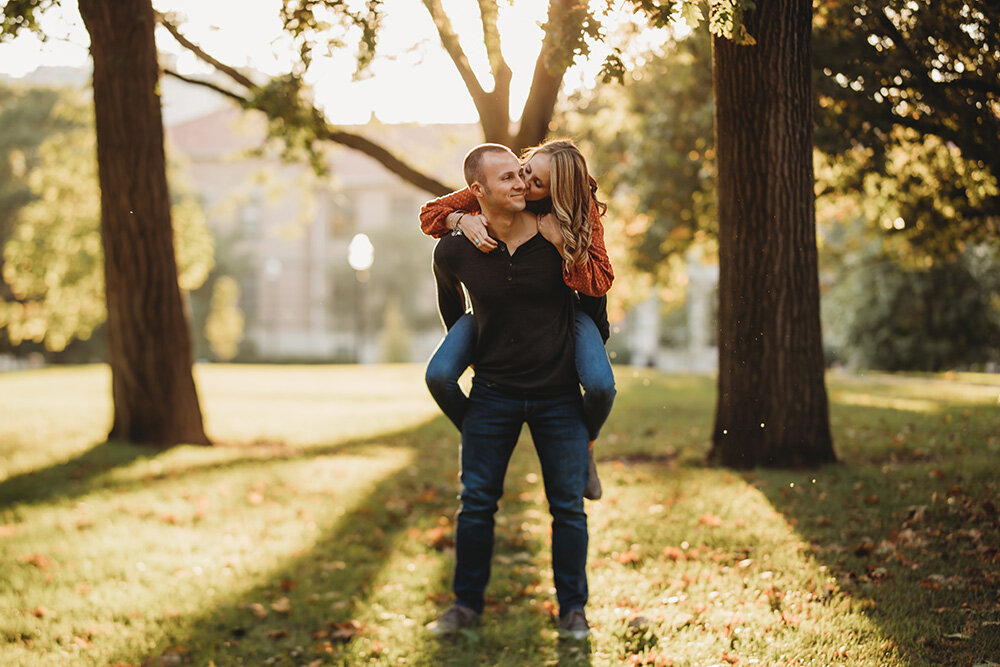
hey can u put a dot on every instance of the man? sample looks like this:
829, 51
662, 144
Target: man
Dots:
524, 373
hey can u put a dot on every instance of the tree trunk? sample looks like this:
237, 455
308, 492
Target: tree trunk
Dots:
772, 404
149, 344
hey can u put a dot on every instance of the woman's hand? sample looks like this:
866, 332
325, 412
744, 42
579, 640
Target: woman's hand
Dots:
473, 227
549, 228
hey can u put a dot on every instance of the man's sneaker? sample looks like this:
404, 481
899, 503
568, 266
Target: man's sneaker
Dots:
458, 617
593, 489
573, 625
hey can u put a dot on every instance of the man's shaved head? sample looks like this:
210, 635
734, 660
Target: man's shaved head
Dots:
473, 165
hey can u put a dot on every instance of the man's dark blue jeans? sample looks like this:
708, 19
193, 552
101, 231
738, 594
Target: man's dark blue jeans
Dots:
492, 425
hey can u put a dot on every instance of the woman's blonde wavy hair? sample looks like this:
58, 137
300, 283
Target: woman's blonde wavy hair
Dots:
572, 189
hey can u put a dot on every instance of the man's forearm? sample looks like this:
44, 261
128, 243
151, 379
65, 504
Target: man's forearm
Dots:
451, 300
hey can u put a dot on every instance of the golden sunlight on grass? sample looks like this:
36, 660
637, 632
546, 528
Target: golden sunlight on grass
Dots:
909, 404
321, 530
306, 405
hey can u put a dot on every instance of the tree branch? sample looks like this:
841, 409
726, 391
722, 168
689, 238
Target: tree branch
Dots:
449, 40
241, 100
229, 71
323, 129
498, 65
565, 22
354, 141
386, 159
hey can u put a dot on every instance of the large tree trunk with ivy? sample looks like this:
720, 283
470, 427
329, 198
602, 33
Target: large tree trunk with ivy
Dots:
772, 404
149, 344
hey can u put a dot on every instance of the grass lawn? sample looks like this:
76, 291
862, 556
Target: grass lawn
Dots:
319, 530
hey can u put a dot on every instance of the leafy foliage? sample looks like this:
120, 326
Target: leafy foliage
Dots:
292, 122
921, 193
931, 320
908, 109
725, 19
914, 200
53, 260
27, 117
904, 288
224, 324
932, 67
325, 25
881, 314
653, 138
21, 15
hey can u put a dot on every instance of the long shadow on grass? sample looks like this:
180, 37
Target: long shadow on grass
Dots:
75, 477
329, 587
86, 473
908, 520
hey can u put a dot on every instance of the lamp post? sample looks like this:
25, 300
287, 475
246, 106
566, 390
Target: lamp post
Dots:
361, 256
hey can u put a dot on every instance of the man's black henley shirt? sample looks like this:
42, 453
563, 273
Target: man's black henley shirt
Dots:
523, 313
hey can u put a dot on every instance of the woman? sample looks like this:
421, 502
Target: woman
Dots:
560, 190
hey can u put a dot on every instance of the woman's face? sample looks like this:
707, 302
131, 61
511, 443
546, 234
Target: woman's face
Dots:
536, 176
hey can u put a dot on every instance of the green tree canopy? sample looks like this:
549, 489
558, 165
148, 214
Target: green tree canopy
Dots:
890, 74
924, 184
53, 259
27, 116
653, 139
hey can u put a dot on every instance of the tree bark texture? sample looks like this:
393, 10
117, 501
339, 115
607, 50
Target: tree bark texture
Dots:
149, 344
772, 403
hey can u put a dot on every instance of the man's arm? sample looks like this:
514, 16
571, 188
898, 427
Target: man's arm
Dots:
451, 299
597, 308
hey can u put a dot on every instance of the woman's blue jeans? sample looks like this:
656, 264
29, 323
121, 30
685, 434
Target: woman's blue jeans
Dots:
454, 354
493, 424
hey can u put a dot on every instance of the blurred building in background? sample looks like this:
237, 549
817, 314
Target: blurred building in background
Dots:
283, 233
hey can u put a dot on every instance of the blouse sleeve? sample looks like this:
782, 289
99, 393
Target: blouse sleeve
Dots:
594, 276
434, 212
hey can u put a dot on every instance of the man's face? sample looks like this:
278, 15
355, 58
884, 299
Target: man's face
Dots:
502, 187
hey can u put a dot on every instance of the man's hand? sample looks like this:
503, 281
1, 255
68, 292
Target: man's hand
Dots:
549, 228
473, 227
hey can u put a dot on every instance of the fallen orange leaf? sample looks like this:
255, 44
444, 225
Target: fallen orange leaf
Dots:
346, 631
673, 553
630, 556
41, 561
